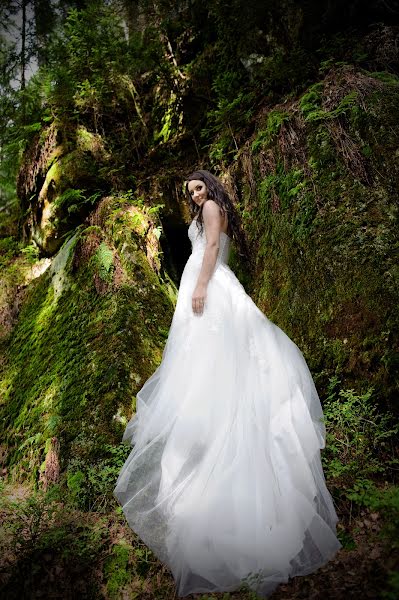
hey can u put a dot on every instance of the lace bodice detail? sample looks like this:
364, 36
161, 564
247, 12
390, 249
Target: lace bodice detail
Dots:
198, 243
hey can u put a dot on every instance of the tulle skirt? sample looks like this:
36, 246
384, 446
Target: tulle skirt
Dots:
224, 482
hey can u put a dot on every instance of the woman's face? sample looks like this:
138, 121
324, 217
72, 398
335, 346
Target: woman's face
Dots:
198, 191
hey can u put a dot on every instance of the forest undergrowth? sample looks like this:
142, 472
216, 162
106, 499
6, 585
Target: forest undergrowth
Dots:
80, 542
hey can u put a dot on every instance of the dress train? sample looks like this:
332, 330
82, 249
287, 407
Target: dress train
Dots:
224, 482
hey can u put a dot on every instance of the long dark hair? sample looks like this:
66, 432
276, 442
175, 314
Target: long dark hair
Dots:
217, 192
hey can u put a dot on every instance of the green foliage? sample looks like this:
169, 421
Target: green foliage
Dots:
72, 200
140, 202
310, 104
144, 560
383, 500
346, 539
167, 127
360, 439
386, 77
87, 75
233, 112
171, 120
360, 452
275, 119
116, 569
29, 519
283, 70
91, 485
104, 258
93, 50
31, 252
288, 186
9, 247
47, 534
326, 65
346, 105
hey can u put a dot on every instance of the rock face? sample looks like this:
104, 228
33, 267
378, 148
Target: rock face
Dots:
319, 182
316, 185
90, 331
59, 182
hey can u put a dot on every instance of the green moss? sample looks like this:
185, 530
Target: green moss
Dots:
287, 186
385, 76
116, 569
324, 268
75, 179
275, 119
82, 347
87, 141
9, 248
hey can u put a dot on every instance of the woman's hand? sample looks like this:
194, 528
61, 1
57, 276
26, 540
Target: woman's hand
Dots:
198, 299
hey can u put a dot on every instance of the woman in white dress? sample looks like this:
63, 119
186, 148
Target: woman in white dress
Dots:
224, 482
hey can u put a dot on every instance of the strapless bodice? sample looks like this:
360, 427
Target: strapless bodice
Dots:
198, 243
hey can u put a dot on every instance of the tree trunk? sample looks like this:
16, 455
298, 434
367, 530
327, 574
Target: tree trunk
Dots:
23, 61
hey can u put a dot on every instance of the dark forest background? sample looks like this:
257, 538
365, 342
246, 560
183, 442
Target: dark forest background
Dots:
105, 108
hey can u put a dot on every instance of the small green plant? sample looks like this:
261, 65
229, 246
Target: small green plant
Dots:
104, 258
233, 111
31, 252
360, 438
72, 200
346, 539
91, 483
275, 119
26, 521
39, 526
384, 500
168, 120
310, 104
9, 248
287, 185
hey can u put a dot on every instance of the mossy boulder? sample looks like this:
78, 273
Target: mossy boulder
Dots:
319, 183
90, 330
62, 177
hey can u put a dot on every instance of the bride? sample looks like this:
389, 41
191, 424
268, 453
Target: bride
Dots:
224, 482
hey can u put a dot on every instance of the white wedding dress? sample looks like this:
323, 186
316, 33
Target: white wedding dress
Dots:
224, 482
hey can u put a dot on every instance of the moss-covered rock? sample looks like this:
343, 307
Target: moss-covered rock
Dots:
61, 178
90, 331
319, 182
116, 569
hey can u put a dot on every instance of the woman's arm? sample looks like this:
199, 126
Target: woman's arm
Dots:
213, 226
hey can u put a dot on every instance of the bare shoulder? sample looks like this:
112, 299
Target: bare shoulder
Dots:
211, 209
